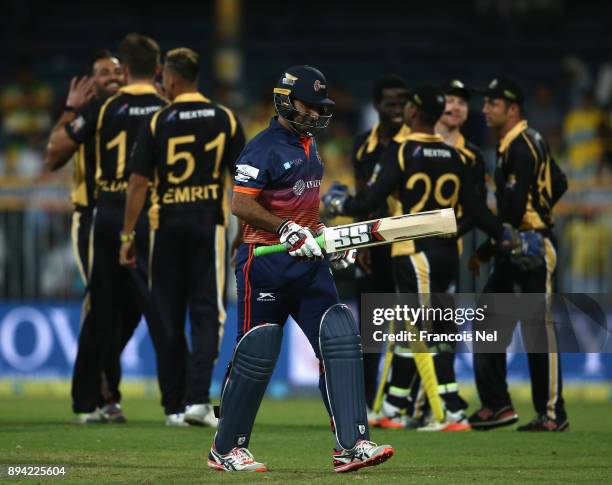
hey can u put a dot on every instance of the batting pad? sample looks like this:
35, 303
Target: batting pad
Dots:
254, 359
340, 346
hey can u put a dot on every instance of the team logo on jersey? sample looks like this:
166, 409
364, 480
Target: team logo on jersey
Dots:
172, 115
266, 297
299, 187
244, 173
318, 86
77, 123
292, 163
123, 109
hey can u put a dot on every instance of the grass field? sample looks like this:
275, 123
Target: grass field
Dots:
293, 438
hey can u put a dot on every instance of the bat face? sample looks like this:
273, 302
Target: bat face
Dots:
390, 229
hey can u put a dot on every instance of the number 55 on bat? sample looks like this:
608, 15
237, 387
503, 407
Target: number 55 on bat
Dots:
380, 231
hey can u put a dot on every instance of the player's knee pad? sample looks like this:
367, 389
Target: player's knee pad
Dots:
252, 366
340, 346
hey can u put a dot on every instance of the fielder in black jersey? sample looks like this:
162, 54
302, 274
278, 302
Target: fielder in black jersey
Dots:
106, 79
187, 150
389, 98
426, 174
528, 184
118, 296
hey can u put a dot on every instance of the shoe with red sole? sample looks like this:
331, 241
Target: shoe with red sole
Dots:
363, 454
487, 418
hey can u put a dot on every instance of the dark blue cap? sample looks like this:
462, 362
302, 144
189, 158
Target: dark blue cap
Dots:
304, 83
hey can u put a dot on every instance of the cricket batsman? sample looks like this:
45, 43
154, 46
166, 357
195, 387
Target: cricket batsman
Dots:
276, 195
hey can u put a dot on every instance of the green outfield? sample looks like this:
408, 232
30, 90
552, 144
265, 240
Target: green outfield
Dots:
293, 438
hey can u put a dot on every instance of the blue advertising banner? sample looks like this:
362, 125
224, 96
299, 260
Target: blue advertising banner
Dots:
39, 341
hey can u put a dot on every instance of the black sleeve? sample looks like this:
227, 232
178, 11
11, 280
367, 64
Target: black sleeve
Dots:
142, 160
474, 207
359, 171
476, 170
373, 196
558, 182
520, 175
233, 149
83, 127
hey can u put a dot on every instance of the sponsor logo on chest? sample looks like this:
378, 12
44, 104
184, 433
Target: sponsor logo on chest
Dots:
301, 186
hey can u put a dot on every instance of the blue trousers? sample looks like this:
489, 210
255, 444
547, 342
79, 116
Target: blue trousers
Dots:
270, 288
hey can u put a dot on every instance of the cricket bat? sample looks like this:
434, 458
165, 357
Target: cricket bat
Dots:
379, 231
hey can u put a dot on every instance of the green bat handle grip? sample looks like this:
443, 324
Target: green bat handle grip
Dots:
280, 248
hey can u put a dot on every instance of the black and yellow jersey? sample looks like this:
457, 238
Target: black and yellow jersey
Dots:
187, 149
427, 175
476, 165
84, 167
367, 157
114, 127
528, 181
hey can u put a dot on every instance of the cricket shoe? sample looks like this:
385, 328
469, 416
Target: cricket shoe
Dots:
176, 420
374, 417
95, 417
113, 413
364, 453
201, 415
544, 423
455, 421
392, 417
487, 418
237, 460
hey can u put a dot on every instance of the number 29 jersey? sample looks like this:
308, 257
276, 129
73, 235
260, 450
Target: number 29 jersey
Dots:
426, 174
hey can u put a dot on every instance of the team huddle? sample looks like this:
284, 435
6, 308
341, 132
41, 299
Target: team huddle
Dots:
152, 168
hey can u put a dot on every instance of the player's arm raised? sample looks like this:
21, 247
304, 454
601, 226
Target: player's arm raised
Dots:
61, 145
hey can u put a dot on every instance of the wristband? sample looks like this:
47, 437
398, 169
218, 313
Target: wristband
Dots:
282, 226
69, 109
127, 237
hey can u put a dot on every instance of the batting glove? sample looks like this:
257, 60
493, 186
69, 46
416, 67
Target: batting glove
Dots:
342, 259
335, 198
298, 240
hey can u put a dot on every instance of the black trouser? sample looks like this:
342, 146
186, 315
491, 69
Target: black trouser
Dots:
82, 218
380, 280
544, 368
424, 273
187, 272
111, 310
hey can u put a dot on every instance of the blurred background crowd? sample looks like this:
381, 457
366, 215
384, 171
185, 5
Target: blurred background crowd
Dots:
560, 52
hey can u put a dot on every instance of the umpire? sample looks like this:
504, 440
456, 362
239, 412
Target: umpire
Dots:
529, 183
187, 149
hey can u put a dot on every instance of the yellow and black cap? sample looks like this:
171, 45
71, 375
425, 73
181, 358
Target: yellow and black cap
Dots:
504, 88
308, 85
428, 99
455, 87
